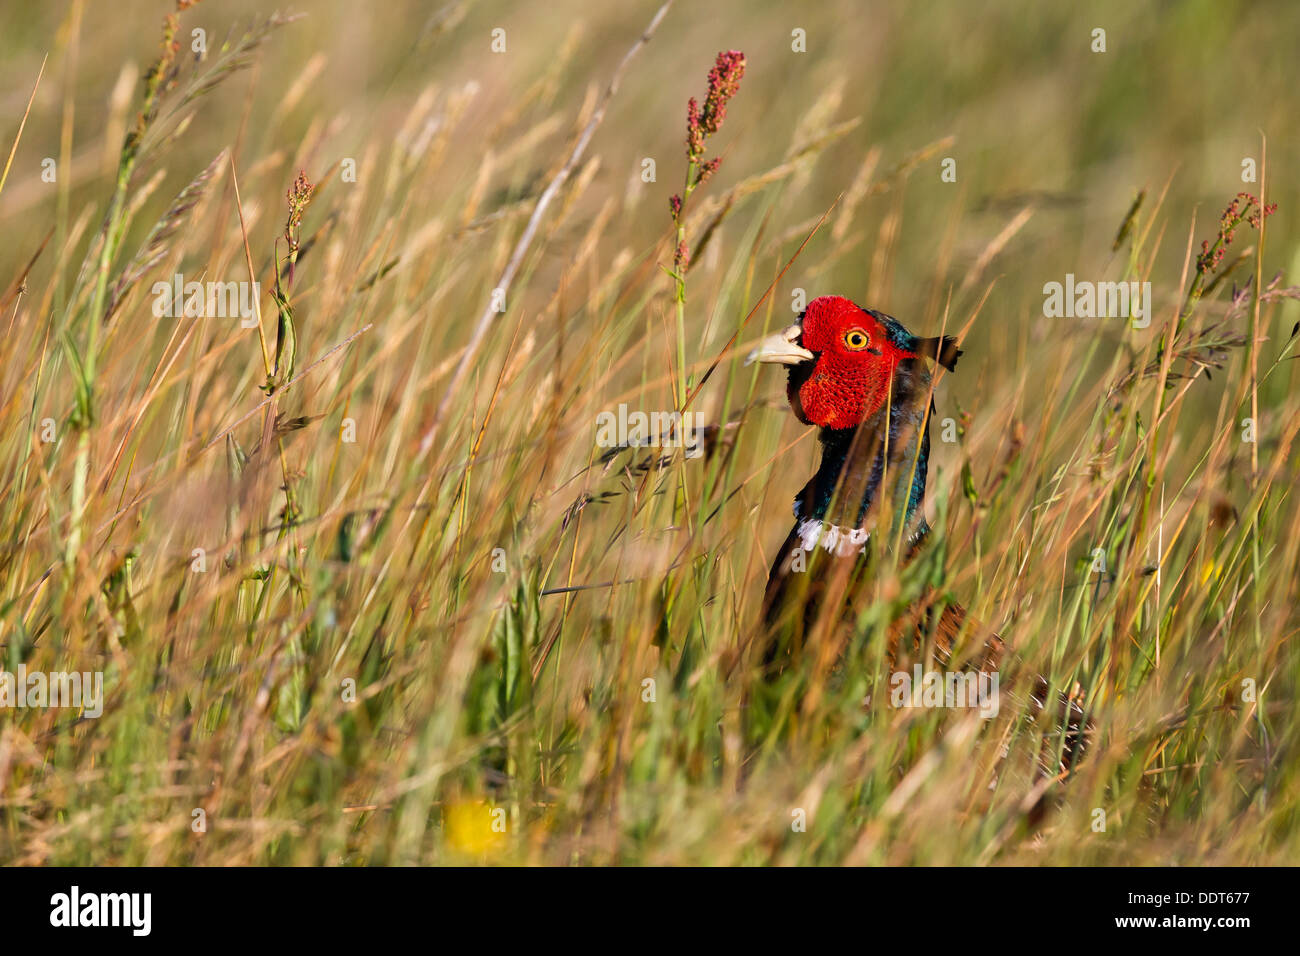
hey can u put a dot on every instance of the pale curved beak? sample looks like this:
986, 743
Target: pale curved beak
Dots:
781, 349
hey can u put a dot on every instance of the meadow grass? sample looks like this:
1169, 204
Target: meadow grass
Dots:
362, 586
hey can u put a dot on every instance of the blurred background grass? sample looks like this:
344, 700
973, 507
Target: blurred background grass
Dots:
225, 691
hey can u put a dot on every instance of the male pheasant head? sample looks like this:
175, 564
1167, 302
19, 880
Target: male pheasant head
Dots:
842, 360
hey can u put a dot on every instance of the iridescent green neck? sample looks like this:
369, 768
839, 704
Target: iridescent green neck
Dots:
885, 459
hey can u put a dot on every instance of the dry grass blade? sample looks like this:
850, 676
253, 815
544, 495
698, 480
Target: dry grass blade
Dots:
155, 246
18, 136
484, 322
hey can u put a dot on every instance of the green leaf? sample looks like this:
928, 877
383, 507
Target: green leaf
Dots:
968, 483
286, 340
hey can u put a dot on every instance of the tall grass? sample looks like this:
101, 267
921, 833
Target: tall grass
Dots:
325, 641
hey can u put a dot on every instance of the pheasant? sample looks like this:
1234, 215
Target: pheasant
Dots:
866, 381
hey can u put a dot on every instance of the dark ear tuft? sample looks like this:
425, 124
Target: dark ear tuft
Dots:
942, 349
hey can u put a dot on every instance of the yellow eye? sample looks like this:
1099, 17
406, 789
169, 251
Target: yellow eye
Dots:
856, 339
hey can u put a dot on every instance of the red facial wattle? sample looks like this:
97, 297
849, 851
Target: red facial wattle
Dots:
855, 361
